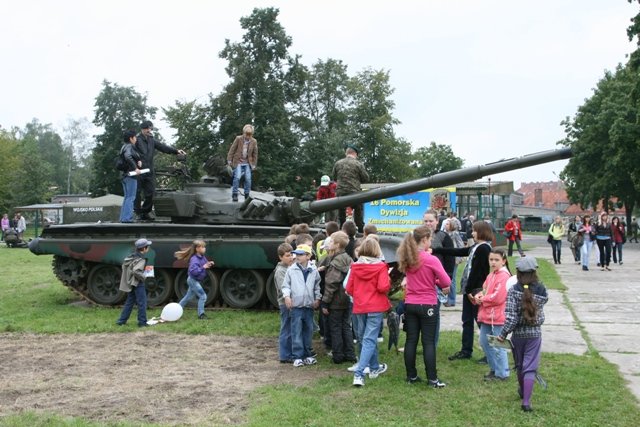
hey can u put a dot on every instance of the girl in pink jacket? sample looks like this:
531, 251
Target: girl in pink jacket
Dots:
491, 305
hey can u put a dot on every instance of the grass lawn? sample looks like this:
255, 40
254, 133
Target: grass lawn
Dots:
583, 390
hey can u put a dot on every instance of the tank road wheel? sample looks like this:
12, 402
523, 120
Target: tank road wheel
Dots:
211, 286
272, 292
242, 288
104, 283
159, 288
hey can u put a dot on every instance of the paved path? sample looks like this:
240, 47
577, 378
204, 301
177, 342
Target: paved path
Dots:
605, 303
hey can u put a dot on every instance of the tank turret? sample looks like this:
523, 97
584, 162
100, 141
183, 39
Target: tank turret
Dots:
242, 237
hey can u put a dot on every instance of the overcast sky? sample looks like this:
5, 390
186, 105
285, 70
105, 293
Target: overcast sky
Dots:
493, 79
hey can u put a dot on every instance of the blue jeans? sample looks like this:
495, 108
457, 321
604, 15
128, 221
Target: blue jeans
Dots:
237, 174
138, 296
284, 341
195, 289
129, 186
301, 331
367, 326
617, 250
496, 357
452, 290
585, 252
556, 249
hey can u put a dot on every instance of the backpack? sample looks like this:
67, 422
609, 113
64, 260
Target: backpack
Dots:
120, 162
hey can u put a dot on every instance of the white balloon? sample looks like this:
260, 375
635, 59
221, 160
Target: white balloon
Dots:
171, 312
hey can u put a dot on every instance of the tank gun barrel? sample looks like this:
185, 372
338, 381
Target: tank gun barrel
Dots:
441, 180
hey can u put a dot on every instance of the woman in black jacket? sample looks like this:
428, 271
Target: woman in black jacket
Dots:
473, 276
603, 239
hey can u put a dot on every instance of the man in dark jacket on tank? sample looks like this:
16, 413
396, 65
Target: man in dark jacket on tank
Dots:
350, 173
146, 147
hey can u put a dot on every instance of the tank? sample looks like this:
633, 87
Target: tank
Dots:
242, 237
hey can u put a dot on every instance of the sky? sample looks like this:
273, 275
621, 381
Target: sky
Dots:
491, 78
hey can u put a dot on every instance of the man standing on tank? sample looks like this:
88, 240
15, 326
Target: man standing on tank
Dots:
146, 147
349, 172
243, 159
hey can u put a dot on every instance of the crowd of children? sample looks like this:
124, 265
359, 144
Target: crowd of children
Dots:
347, 279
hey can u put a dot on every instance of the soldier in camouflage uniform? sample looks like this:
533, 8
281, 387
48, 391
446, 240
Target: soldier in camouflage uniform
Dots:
350, 174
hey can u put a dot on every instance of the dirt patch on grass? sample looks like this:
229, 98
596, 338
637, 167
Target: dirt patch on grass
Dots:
140, 376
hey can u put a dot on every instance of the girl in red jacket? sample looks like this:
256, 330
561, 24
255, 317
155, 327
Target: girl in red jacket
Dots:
491, 305
368, 284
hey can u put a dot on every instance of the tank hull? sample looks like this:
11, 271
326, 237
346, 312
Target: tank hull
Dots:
87, 259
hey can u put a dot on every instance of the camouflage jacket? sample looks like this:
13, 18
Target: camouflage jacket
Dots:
350, 174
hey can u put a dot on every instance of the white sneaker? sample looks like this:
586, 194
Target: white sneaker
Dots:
380, 339
297, 363
358, 381
310, 361
355, 366
381, 370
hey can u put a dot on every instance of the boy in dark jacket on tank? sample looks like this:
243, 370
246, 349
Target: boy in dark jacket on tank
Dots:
335, 302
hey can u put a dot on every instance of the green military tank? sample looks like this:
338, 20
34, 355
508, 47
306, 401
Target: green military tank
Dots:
242, 237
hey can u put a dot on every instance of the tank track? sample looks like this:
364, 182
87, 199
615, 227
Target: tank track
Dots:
73, 274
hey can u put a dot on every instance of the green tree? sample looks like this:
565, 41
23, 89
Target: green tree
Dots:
386, 157
117, 108
436, 158
9, 163
265, 81
321, 116
195, 134
604, 137
78, 146
50, 150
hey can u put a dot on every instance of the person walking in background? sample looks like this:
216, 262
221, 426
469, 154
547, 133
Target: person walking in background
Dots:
132, 163
350, 173
197, 272
5, 225
132, 282
456, 238
146, 146
243, 159
634, 230
514, 231
575, 239
603, 239
424, 274
619, 239
21, 225
587, 230
491, 305
524, 316
557, 234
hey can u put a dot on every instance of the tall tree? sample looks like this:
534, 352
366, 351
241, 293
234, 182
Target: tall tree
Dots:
604, 136
321, 116
265, 81
117, 108
78, 145
195, 132
436, 158
9, 164
371, 121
